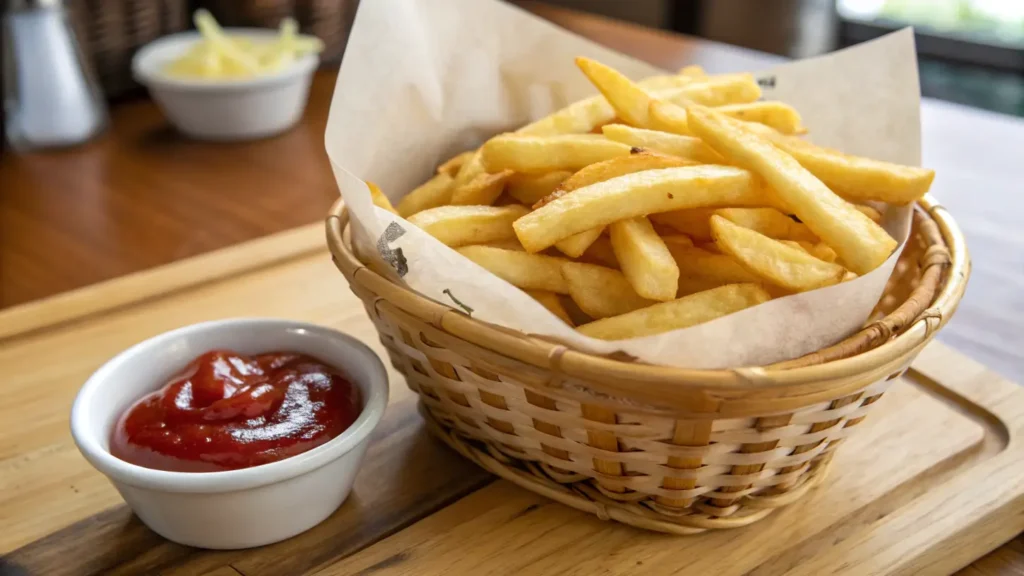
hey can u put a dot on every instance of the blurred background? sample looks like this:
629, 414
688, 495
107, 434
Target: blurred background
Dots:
971, 51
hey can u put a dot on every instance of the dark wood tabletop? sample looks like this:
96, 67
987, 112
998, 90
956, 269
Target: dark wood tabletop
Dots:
141, 196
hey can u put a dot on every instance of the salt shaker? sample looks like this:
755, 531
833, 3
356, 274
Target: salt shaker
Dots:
51, 98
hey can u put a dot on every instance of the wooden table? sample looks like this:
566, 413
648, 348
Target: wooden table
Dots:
141, 196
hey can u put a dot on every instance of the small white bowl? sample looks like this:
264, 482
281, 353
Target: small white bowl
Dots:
228, 109
237, 508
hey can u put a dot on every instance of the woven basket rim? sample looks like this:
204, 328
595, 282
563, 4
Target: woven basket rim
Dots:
563, 361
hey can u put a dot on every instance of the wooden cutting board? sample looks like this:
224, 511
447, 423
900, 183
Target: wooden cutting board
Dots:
932, 480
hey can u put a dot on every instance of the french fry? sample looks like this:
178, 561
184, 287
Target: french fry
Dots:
529, 189
693, 284
767, 221
682, 313
587, 114
853, 177
677, 241
819, 250
634, 102
433, 193
380, 199
452, 165
551, 301
630, 101
536, 154
773, 261
721, 269
778, 115
601, 171
482, 190
668, 117
574, 246
507, 244
644, 258
862, 244
600, 252
470, 169
601, 292
463, 225
715, 91
868, 211
526, 271
693, 71
674, 144
637, 194
693, 222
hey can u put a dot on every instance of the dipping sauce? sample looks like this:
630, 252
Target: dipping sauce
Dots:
227, 411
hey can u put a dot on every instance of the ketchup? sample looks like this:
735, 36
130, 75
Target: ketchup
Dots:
226, 411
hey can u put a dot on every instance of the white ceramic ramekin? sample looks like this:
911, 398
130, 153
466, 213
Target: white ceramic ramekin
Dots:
229, 109
237, 508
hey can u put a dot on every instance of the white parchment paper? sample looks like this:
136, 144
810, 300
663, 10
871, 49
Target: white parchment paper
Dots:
425, 79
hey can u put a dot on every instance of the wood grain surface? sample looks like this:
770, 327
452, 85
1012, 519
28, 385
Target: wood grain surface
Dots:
142, 195
926, 442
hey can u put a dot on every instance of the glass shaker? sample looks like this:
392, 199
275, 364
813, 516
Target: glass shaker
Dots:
51, 99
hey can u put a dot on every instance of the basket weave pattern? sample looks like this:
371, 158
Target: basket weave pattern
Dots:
705, 459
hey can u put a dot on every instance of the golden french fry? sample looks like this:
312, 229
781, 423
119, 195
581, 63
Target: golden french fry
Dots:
452, 165
531, 188
600, 252
701, 264
767, 221
693, 222
601, 171
507, 244
551, 301
773, 261
482, 190
462, 225
637, 194
823, 251
585, 115
868, 211
693, 71
470, 169
534, 154
677, 241
433, 193
668, 117
379, 198
780, 116
682, 313
693, 284
853, 177
629, 99
715, 91
527, 271
577, 244
862, 244
674, 144
819, 250
644, 258
601, 292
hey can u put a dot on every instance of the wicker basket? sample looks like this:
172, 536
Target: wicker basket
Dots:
667, 449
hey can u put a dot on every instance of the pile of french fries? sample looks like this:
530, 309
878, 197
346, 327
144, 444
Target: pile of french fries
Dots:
218, 55
662, 204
